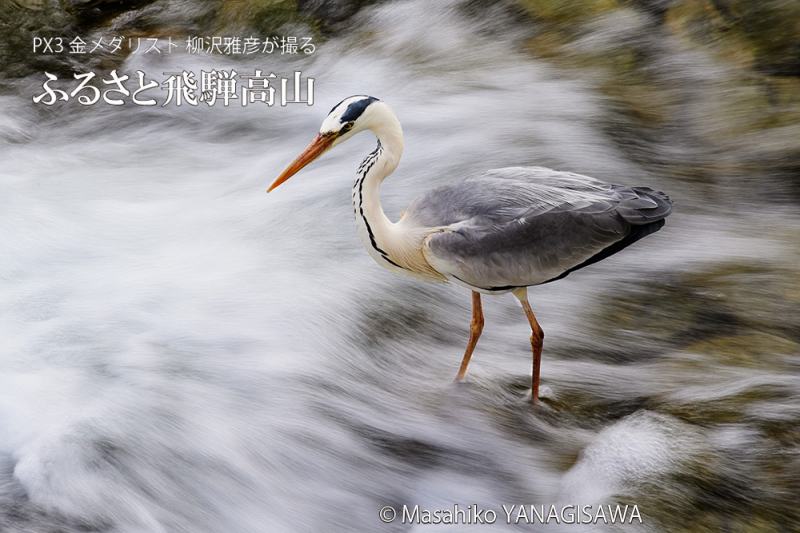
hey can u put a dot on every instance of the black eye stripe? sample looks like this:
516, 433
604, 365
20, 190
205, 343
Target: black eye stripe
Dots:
355, 109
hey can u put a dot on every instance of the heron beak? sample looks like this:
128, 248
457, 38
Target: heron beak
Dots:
317, 147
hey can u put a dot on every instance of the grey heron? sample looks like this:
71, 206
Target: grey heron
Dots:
504, 231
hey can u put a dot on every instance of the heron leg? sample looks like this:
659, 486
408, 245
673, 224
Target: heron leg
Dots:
475, 329
537, 341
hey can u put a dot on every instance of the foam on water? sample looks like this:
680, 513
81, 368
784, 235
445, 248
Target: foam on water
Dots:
183, 353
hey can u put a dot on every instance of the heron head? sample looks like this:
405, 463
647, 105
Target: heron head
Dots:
348, 117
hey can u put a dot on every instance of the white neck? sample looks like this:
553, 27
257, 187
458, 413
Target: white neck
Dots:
377, 231
396, 246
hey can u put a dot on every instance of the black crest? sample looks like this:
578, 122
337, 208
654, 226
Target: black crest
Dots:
355, 109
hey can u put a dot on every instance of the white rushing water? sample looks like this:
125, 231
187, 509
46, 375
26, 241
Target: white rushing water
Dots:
181, 352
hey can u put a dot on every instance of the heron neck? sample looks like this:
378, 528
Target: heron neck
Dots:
380, 165
376, 227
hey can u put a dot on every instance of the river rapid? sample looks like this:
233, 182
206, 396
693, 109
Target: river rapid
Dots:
183, 353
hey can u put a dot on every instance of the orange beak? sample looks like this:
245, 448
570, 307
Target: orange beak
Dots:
317, 147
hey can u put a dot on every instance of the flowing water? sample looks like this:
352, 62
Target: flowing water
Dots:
181, 352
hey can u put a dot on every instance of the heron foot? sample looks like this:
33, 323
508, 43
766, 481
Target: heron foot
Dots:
546, 394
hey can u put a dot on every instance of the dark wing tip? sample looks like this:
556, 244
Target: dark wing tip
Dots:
644, 206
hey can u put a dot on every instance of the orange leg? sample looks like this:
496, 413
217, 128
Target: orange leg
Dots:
475, 329
537, 341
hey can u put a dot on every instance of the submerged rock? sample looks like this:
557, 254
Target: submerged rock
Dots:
736, 313
687, 81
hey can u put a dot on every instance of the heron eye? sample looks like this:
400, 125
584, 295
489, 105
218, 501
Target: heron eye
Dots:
347, 127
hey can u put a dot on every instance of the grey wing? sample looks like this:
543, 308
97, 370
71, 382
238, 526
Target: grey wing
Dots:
516, 227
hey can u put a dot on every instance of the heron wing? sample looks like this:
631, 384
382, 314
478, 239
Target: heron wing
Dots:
516, 227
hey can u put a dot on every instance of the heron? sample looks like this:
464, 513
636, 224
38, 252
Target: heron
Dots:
503, 231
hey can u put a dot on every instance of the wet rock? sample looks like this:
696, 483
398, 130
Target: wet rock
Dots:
736, 313
570, 11
19, 23
687, 81
736, 484
89, 13
765, 34
266, 16
331, 12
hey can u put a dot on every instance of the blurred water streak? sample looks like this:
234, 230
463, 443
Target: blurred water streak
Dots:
183, 353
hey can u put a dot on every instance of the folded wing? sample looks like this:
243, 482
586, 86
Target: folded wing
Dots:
516, 227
